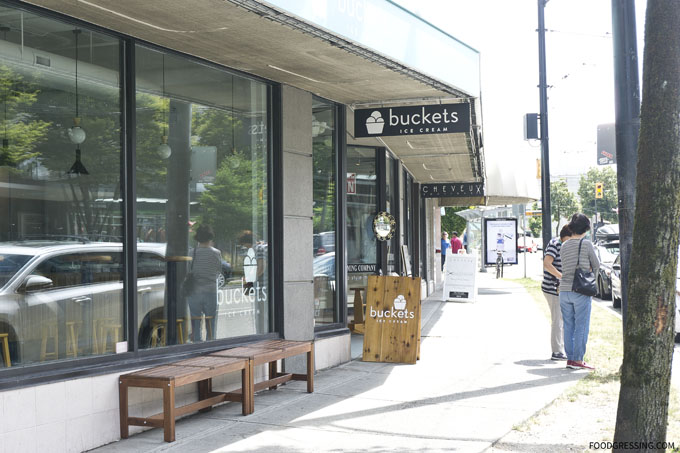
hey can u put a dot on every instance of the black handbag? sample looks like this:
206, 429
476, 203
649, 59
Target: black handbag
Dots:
584, 281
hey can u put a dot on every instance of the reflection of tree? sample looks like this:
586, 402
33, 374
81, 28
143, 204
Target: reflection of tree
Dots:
151, 167
228, 205
218, 128
324, 185
21, 130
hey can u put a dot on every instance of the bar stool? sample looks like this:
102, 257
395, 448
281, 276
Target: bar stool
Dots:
49, 331
4, 337
97, 325
72, 335
159, 332
208, 327
106, 331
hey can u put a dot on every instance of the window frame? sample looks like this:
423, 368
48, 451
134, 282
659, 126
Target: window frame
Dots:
58, 370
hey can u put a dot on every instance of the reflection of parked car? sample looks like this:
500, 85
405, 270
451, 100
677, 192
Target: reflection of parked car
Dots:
60, 299
606, 253
224, 277
324, 243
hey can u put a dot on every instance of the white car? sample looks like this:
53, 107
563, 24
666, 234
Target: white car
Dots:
65, 299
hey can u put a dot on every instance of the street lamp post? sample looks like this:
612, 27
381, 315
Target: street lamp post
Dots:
545, 164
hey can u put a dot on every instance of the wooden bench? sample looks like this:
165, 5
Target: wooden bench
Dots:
269, 352
168, 377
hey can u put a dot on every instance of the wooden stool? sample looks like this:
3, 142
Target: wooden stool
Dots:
4, 337
109, 330
159, 332
208, 327
72, 334
49, 331
97, 325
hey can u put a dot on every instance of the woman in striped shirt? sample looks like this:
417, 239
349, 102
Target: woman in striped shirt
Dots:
576, 307
206, 266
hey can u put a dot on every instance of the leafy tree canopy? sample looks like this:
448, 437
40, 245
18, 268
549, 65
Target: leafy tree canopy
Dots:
605, 206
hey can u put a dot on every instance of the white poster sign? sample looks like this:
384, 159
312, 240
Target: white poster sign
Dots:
460, 278
500, 238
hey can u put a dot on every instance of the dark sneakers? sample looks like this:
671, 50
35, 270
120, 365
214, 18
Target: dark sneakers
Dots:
558, 356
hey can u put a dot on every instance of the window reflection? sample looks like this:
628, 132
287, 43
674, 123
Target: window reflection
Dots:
61, 273
214, 175
324, 203
362, 206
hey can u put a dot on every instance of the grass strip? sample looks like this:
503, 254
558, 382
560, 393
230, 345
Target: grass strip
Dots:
605, 352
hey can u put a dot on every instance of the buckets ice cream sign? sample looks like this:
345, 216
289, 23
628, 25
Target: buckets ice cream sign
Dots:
397, 314
412, 120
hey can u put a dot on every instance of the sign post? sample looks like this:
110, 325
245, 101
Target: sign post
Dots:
392, 319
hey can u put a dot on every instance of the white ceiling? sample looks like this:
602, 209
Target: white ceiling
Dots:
275, 46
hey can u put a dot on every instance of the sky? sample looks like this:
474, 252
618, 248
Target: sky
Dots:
579, 68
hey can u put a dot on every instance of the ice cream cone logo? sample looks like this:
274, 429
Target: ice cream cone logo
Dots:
250, 266
399, 303
375, 123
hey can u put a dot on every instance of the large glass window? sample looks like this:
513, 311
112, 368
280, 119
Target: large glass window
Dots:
324, 205
362, 206
391, 206
61, 271
202, 150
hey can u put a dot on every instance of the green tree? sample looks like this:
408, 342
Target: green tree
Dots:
648, 334
586, 191
536, 223
452, 222
562, 203
21, 130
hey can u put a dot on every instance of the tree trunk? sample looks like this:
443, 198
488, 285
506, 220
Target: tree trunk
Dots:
649, 330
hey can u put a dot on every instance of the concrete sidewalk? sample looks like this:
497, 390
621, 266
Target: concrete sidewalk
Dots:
484, 368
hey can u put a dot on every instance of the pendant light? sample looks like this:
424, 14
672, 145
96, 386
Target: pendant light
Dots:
76, 133
164, 149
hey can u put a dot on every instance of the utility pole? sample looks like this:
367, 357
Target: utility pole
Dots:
627, 100
545, 164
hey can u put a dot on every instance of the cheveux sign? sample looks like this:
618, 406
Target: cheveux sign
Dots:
452, 189
412, 120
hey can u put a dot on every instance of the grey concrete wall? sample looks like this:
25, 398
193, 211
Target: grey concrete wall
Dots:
298, 290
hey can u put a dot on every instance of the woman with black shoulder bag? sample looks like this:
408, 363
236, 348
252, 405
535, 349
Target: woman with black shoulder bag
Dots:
579, 265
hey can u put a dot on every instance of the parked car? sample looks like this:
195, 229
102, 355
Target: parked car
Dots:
531, 244
616, 282
606, 253
607, 233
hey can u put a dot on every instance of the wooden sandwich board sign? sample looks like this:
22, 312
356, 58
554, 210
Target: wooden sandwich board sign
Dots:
392, 319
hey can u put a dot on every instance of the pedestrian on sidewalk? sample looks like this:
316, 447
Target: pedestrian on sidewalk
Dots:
552, 273
575, 306
445, 245
456, 243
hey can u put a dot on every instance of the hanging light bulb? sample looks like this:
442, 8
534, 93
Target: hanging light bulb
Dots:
164, 149
76, 133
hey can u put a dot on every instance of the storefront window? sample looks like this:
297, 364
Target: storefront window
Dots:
61, 268
324, 199
202, 153
362, 206
391, 207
